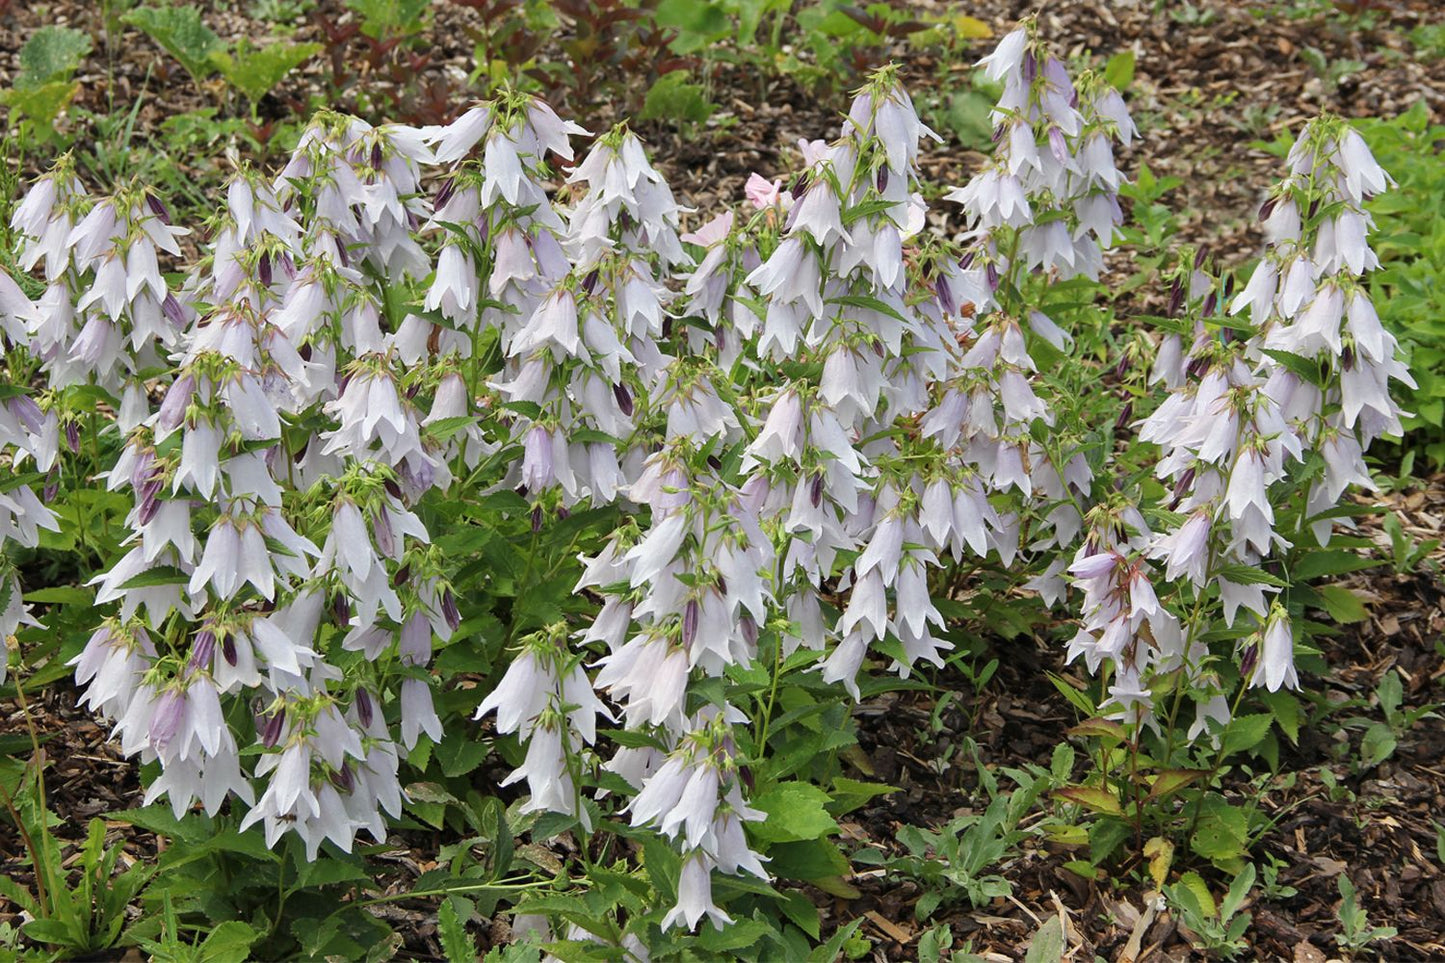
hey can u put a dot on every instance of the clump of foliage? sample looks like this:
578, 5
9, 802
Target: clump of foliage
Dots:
455, 486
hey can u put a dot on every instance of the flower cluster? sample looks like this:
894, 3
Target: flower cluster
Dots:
797, 414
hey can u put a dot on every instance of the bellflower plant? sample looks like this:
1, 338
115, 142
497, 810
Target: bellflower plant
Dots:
458, 420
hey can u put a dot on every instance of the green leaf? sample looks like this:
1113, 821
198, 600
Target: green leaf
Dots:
182, 34
798, 908
1250, 575
41, 104
1330, 562
796, 811
1047, 946
456, 942
675, 98
51, 54
1245, 732
1221, 832
828, 952
255, 71
1342, 604
229, 942
849, 794
62, 595
1092, 798
160, 575
1284, 706
1171, 781
1119, 71
1378, 744
1193, 885
381, 19
811, 859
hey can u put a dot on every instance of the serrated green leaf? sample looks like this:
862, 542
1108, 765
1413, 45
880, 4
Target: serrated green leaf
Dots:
796, 811
182, 34
255, 71
51, 54
1221, 832
1245, 732
456, 942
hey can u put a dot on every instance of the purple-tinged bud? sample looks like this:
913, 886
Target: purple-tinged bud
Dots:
1058, 146
1196, 367
363, 707
1347, 357
173, 408
1267, 208
341, 609
149, 505
536, 519
882, 178
690, 614
1176, 299
1125, 414
1200, 256
450, 613
158, 209
1210, 301
746, 774
263, 269
166, 721
392, 488
965, 262
444, 194
52, 486
991, 273
1248, 661
271, 731
722, 584
563, 512
203, 649
998, 133
72, 437
749, 629
381, 531
25, 408
376, 155
667, 326
172, 310
1182, 486
228, 650
342, 779
815, 491
943, 292
402, 576
1228, 286
1314, 208
1122, 368
345, 256
624, 399
1030, 66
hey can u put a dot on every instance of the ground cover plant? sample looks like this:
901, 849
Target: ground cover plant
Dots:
453, 485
